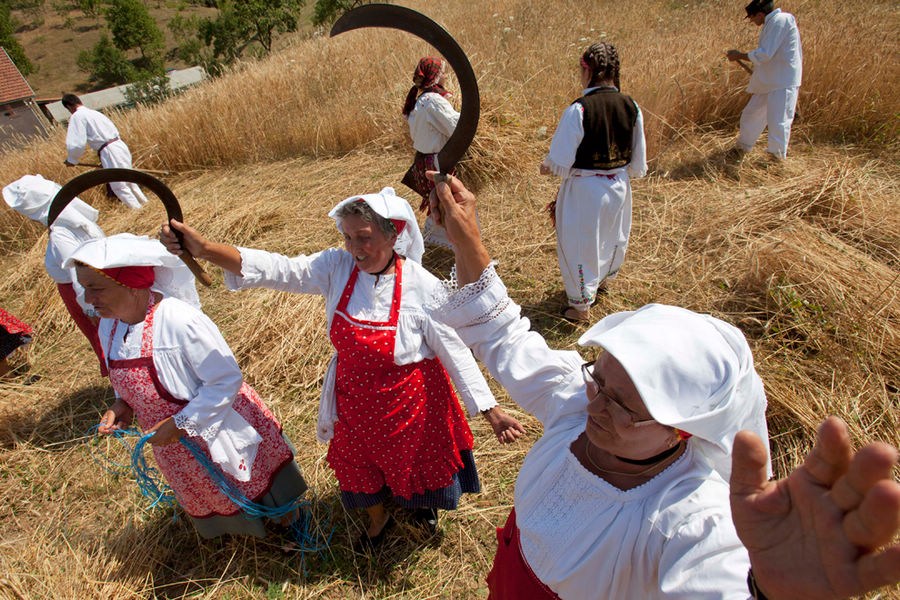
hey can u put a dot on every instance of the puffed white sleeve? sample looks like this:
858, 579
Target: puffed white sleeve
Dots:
565, 142
546, 383
442, 115
312, 274
76, 139
704, 560
461, 366
638, 165
204, 356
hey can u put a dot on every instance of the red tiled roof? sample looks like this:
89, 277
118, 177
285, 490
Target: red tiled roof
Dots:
12, 85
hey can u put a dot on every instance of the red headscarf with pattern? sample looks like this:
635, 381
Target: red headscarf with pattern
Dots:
425, 79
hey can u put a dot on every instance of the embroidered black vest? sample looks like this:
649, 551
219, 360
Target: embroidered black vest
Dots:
609, 119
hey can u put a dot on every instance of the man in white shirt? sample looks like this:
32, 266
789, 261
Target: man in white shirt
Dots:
93, 128
775, 83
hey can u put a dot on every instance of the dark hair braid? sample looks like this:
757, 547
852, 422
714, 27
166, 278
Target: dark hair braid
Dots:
603, 61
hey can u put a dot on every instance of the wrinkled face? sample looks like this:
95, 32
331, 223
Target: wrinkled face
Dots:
618, 421
108, 298
370, 247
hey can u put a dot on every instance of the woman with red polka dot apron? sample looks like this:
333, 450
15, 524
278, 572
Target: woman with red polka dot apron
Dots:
170, 368
388, 407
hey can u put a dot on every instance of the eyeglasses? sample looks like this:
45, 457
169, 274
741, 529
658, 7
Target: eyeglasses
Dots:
587, 371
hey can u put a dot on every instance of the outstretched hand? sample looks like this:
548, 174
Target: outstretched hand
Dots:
817, 533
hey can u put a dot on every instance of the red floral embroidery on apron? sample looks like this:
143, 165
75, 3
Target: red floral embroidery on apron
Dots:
137, 383
399, 426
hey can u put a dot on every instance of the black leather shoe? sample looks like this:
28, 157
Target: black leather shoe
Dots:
426, 518
366, 543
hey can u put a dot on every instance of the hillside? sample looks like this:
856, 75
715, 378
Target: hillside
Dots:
803, 258
53, 38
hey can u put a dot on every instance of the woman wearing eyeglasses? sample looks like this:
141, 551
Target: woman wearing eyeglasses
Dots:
626, 493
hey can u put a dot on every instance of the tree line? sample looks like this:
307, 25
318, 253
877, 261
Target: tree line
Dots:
238, 29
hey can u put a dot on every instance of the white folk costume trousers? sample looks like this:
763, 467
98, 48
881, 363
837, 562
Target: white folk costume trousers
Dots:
593, 221
117, 155
775, 110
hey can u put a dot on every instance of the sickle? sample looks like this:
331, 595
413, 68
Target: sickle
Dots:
410, 21
86, 181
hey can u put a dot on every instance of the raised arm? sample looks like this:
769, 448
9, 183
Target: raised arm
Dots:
545, 382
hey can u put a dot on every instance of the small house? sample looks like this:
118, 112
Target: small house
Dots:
20, 117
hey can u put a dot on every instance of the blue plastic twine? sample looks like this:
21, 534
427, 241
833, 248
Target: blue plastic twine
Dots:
153, 486
149, 481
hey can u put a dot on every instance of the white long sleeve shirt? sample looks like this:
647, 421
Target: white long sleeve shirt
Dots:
90, 127
778, 59
192, 359
419, 336
569, 134
195, 364
671, 537
431, 123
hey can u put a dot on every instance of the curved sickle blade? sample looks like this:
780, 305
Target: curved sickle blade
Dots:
410, 21
86, 181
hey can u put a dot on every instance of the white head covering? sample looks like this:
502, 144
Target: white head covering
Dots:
693, 372
31, 196
389, 205
172, 277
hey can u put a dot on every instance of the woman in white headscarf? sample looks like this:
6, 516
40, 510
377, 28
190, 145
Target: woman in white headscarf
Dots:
626, 494
172, 370
31, 197
392, 417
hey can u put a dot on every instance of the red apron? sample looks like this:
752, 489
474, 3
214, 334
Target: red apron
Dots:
13, 325
399, 426
87, 327
137, 383
511, 578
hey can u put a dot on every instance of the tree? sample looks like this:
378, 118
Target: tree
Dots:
132, 27
9, 42
239, 27
107, 64
327, 11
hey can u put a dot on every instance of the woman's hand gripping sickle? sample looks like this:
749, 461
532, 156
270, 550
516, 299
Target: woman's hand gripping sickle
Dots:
453, 208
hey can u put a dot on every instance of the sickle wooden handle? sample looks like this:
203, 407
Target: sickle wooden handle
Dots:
86, 181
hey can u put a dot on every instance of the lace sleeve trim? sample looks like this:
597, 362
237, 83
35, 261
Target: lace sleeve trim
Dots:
193, 429
459, 297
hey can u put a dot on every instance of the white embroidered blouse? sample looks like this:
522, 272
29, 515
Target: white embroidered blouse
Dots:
670, 538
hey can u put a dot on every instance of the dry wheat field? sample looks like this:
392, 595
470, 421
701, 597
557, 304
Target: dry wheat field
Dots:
804, 258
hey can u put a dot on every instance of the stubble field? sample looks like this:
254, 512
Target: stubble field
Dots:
803, 258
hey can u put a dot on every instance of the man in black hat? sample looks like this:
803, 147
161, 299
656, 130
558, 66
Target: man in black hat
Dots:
775, 82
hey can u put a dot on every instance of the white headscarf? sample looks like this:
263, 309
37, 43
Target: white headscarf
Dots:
172, 277
693, 372
389, 205
31, 196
